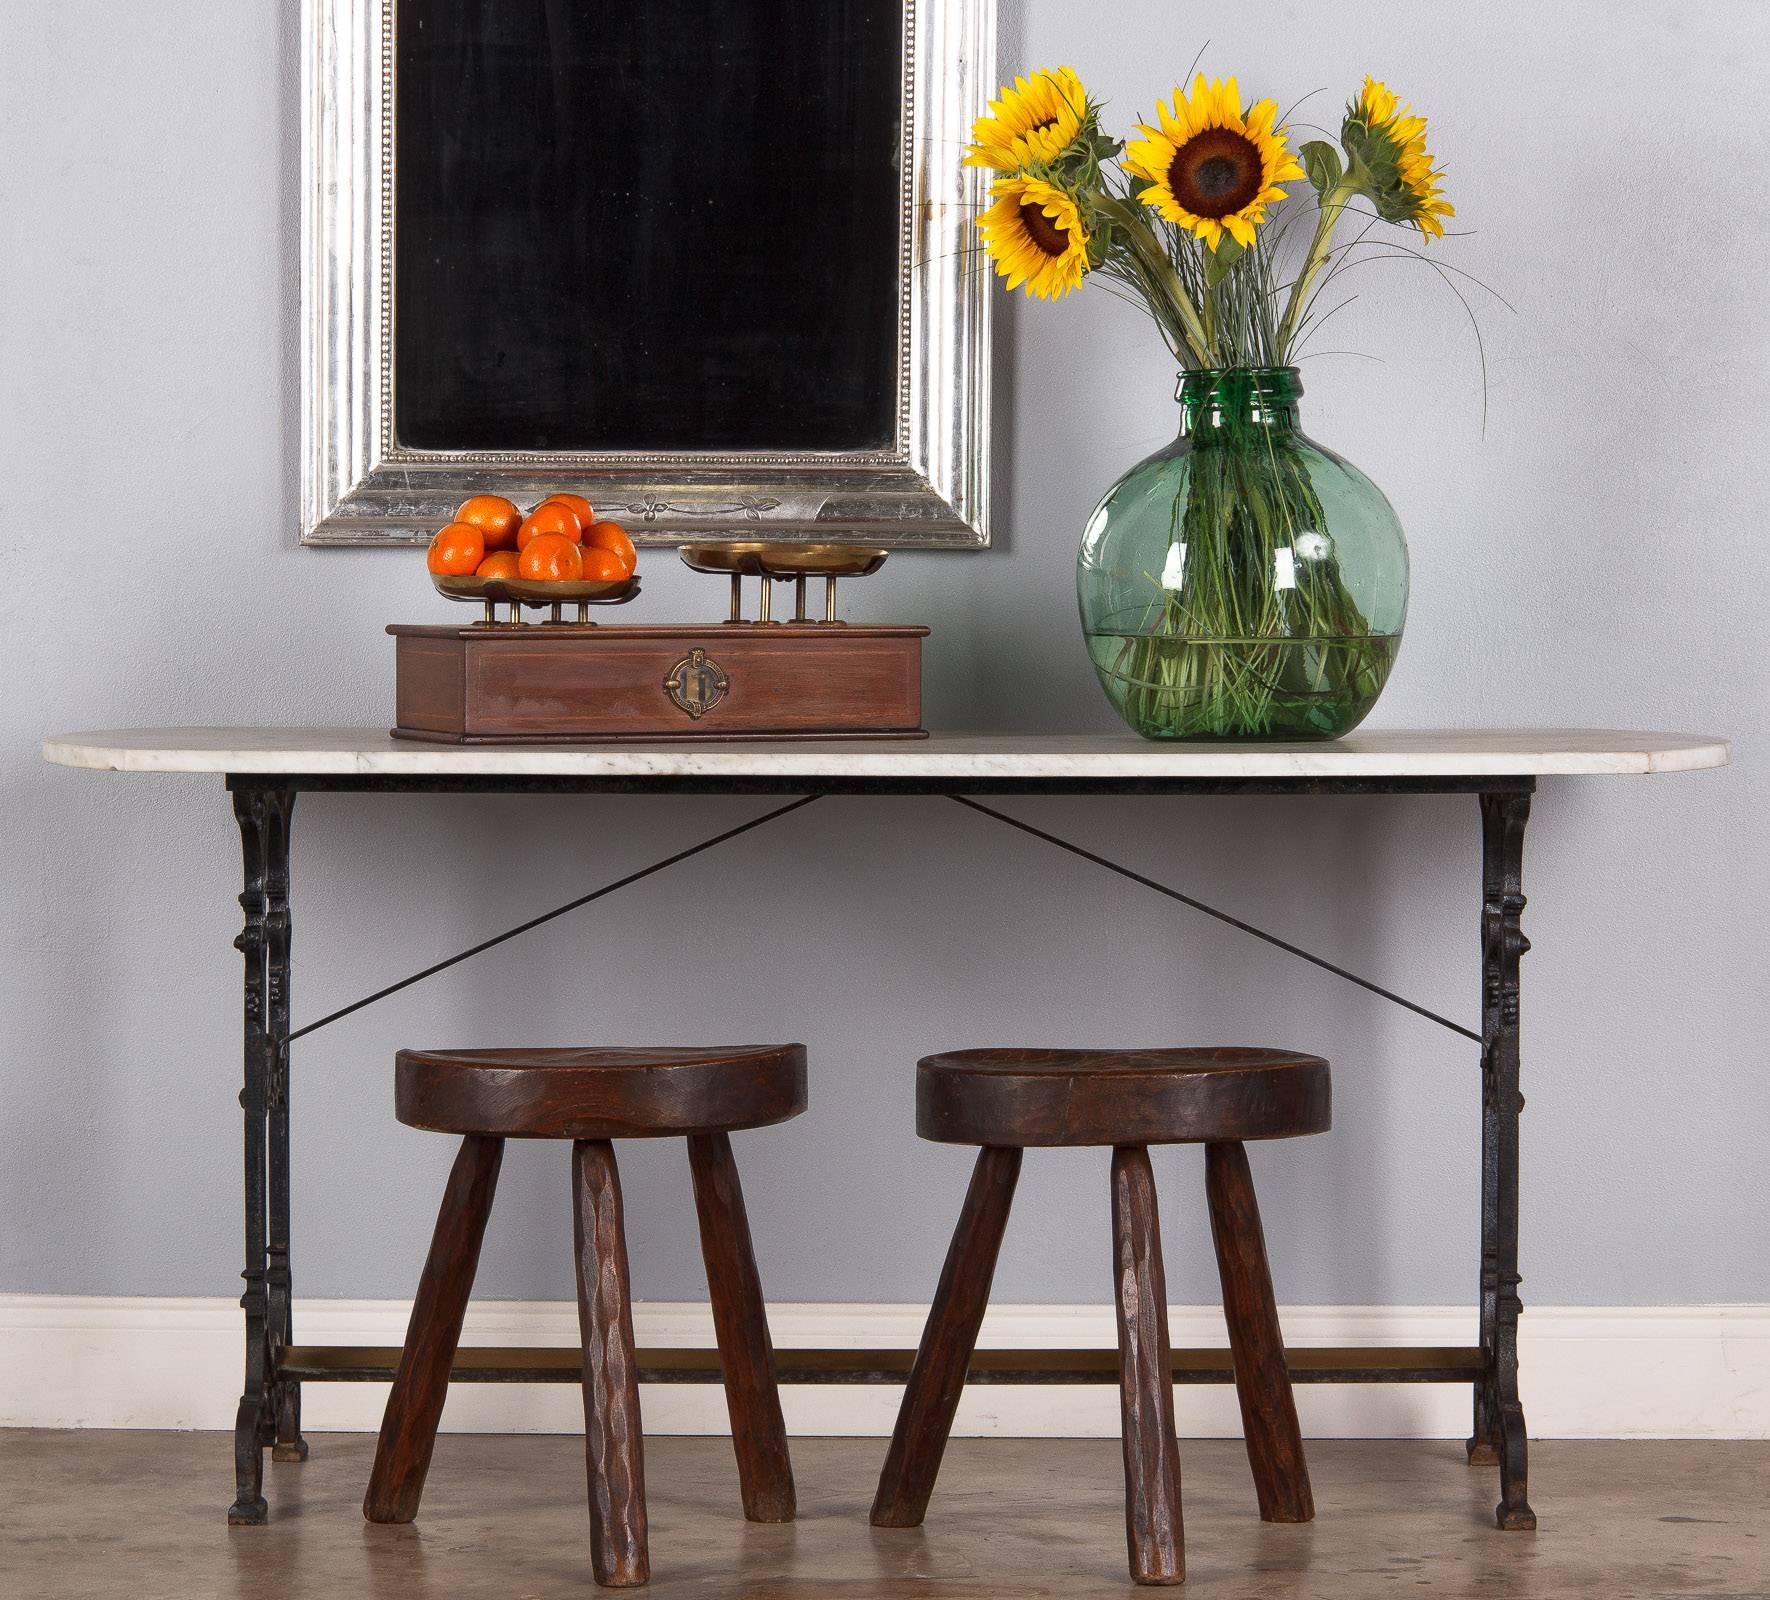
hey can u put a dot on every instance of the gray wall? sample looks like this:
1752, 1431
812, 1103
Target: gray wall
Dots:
1595, 557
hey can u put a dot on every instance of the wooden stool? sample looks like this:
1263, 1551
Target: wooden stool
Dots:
592, 1097
1006, 1100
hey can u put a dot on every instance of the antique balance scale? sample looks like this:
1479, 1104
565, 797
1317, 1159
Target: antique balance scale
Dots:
506, 680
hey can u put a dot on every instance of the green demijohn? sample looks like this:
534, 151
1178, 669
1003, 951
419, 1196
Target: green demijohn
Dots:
1243, 583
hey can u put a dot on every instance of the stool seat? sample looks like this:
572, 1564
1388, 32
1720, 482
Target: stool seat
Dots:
599, 1094
1045, 1097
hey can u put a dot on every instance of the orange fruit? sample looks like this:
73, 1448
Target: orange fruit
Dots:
604, 566
495, 517
552, 558
612, 536
575, 503
499, 564
457, 550
552, 518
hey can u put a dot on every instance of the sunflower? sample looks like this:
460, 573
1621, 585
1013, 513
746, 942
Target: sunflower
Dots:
1034, 234
1212, 169
1389, 142
1033, 121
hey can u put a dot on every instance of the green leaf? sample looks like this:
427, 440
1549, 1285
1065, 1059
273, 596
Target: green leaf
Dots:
1219, 261
1322, 162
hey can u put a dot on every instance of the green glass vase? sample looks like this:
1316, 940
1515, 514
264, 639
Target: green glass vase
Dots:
1243, 582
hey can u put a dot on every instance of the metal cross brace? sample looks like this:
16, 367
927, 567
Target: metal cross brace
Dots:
805, 800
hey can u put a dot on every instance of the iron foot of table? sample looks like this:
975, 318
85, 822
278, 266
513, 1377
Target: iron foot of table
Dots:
1515, 1519
1482, 1445
289, 1446
249, 1509
1513, 1513
1501, 1440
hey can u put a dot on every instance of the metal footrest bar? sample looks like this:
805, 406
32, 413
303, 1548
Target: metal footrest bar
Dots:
565, 1364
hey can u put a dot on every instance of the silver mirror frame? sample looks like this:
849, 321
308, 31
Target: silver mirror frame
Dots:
929, 491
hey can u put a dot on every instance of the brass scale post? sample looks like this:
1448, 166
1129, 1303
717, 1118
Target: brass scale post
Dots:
779, 563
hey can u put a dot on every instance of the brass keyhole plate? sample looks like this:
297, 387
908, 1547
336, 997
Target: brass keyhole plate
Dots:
696, 684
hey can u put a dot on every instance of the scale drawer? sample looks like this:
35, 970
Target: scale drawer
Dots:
565, 683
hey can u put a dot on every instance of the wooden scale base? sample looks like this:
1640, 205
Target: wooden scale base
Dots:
563, 682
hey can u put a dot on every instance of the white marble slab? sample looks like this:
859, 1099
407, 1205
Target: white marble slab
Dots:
1421, 753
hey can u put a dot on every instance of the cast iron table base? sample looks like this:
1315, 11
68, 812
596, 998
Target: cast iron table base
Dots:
276, 1367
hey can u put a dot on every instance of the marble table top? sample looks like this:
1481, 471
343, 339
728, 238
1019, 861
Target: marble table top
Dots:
1470, 752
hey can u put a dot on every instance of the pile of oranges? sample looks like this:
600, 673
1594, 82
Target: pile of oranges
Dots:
560, 541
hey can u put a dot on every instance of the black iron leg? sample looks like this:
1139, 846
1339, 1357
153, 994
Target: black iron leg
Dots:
1484, 1436
288, 1444
263, 817
1499, 1414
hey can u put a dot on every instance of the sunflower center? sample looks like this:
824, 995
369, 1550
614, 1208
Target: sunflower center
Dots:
1216, 172
1040, 127
1043, 232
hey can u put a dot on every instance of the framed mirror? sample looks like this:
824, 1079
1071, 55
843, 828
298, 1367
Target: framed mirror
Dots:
711, 266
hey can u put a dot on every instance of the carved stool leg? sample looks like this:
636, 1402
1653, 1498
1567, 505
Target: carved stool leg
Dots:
414, 1407
1153, 1531
1268, 1409
614, 1448
938, 1377
740, 1318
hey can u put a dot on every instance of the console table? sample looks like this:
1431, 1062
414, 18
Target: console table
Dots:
265, 768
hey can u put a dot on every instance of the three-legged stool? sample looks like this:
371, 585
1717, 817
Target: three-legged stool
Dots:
1006, 1100
593, 1097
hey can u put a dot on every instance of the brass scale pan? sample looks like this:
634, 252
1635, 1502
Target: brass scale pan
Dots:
736, 559
777, 561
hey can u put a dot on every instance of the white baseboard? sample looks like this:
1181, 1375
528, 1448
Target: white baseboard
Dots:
1698, 1372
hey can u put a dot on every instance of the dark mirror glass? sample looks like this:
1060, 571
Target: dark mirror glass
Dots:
663, 225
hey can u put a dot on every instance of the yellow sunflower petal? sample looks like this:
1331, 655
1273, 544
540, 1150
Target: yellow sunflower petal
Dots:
1210, 166
1405, 187
1033, 232
1035, 120
1229, 106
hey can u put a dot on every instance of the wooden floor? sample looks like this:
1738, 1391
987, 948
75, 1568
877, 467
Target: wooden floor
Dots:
140, 1515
